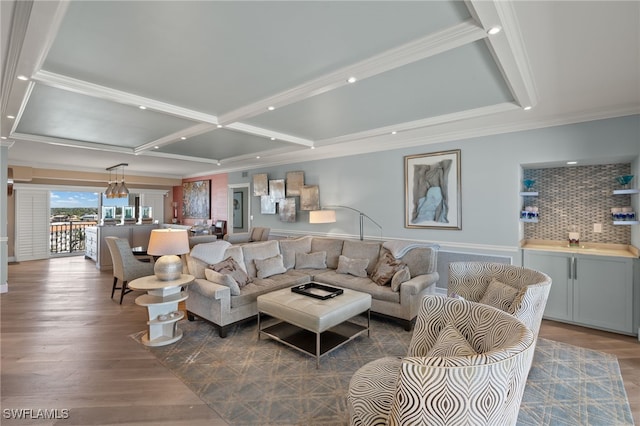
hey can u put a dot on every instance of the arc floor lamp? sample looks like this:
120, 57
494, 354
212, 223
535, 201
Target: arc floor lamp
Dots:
327, 215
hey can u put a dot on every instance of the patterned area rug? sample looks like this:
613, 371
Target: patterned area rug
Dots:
262, 382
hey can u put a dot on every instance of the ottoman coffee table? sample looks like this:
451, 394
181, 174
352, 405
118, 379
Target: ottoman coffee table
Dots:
312, 325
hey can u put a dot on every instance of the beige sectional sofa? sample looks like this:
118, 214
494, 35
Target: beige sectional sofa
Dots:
276, 264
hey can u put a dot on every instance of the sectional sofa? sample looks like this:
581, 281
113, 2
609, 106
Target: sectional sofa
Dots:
229, 278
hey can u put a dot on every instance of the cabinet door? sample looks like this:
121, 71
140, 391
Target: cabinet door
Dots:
603, 292
558, 267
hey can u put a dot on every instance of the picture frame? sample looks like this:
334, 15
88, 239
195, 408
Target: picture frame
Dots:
310, 197
276, 189
260, 184
433, 190
287, 210
196, 199
237, 209
295, 182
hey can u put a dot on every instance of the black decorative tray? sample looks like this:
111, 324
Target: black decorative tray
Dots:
319, 291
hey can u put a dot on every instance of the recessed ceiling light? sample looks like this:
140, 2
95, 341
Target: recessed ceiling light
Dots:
219, 163
352, 79
494, 30
528, 108
271, 107
11, 117
219, 126
184, 138
3, 137
257, 157
313, 147
23, 77
572, 162
394, 132
156, 147
142, 107
273, 139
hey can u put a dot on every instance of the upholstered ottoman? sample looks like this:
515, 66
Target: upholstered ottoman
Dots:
312, 325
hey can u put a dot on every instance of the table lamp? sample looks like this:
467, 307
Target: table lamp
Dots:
168, 243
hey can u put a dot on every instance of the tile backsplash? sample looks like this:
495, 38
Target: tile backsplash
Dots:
581, 196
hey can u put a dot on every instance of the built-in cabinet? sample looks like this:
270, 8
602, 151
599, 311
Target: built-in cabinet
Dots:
96, 246
590, 290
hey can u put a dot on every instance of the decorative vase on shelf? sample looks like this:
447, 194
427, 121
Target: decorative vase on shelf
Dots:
624, 181
528, 184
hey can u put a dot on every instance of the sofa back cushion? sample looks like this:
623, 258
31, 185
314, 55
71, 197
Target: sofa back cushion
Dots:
237, 254
332, 246
290, 247
262, 250
362, 250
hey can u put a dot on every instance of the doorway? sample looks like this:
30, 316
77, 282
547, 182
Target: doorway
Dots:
238, 202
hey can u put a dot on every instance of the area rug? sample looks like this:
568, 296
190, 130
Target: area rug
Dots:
262, 382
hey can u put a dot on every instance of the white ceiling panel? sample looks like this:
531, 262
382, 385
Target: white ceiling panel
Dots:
62, 114
457, 80
426, 68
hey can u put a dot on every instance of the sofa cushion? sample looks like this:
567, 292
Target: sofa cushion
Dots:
270, 266
223, 279
261, 250
499, 295
316, 260
230, 267
237, 254
401, 276
290, 247
250, 292
362, 250
451, 342
210, 253
362, 284
332, 246
386, 267
355, 267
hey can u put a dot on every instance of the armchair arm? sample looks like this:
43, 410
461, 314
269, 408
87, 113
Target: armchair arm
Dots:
416, 284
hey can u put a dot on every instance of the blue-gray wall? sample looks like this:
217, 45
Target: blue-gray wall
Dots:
491, 172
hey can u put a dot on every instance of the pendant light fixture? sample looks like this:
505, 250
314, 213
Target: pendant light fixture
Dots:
115, 190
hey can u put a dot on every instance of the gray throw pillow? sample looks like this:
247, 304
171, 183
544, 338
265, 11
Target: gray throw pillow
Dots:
269, 266
317, 260
223, 279
403, 275
355, 267
230, 267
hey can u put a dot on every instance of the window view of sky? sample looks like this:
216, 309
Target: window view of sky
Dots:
83, 199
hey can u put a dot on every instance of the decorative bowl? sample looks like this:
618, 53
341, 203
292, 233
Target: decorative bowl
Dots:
528, 183
624, 180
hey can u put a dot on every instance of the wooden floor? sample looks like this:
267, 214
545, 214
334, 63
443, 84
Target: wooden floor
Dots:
65, 345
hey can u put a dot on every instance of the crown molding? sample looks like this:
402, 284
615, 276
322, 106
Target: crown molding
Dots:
247, 128
71, 143
175, 137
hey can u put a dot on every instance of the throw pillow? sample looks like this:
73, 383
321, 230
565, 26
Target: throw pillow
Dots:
223, 279
230, 267
451, 342
385, 269
403, 275
355, 267
270, 266
499, 295
317, 260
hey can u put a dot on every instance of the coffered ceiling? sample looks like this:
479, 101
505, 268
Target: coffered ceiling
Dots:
223, 83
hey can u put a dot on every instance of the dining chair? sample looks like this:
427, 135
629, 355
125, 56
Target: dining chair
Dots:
126, 266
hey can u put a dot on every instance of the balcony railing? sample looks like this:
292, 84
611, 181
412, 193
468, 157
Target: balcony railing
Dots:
67, 237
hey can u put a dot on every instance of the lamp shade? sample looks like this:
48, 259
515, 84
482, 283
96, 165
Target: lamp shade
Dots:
322, 216
168, 241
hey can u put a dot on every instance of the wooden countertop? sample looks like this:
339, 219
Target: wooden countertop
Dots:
596, 249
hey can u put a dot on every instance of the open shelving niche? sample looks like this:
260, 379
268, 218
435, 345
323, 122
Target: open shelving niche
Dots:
524, 194
626, 192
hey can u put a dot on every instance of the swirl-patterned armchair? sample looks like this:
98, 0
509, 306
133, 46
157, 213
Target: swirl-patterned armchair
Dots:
524, 296
440, 382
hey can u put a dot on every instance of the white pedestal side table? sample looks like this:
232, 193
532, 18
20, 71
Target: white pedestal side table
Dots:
162, 300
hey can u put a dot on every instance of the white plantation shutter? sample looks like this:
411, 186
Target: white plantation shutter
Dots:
32, 224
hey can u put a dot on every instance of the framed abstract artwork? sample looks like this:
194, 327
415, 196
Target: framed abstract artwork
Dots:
260, 184
287, 210
432, 190
196, 199
237, 209
295, 181
310, 197
267, 204
276, 189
